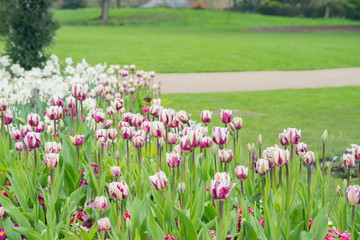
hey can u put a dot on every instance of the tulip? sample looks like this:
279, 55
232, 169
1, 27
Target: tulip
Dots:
283, 137
301, 148
127, 133
110, 111
8, 118
112, 134
138, 142
177, 149
137, 120
205, 142
260, 141
57, 101
115, 171
77, 91
78, 140
33, 119
262, 166
185, 144
172, 160
157, 129
2, 212
146, 126
173, 138
40, 128
104, 224
99, 116
101, 133
349, 160
100, 203
241, 172
194, 138
52, 147
309, 158
3, 104
183, 116
119, 190
206, 116
32, 140
220, 135
166, 116
292, 135
225, 155
280, 156
51, 160
117, 104
353, 195
174, 123
356, 152
123, 124
24, 130
54, 112
220, 186
156, 102
226, 116
19, 146
159, 180
71, 102
155, 110
15, 135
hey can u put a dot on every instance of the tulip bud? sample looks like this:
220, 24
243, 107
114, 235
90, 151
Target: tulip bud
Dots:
220, 135
301, 148
241, 172
157, 129
194, 138
248, 146
71, 102
40, 128
353, 195
57, 101
101, 134
32, 140
54, 112
253, 148
262, 166
280, 156
166, 116
338, 190
226, 116
172, 138
214, 149
185, 144
225, 155
159, 181
349, 160
104, 224
324, 136
115, 171
119, 190
231, 126
205, 142
260, 140
179, 189
51, 160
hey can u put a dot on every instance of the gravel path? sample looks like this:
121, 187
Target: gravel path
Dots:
255, 81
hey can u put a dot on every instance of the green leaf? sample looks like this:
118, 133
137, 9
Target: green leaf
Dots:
28, 232
190, 229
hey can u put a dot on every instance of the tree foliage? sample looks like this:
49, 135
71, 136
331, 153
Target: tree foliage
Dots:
29, 28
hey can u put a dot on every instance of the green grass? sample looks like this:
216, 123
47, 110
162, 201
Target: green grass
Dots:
311, 110
168, 40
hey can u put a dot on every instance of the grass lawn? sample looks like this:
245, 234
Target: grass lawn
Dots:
168, 40
311, 110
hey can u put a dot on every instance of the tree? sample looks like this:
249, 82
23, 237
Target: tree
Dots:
30, 29
104, 11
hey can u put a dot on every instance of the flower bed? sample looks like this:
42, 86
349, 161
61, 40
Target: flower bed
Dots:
91, 152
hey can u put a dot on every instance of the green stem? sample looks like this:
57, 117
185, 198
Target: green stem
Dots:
127, 153
2, 126
52, 181
139, 161
287, 189
221, 210
122, 219
157, 156
309, 199
348, 177
353, 222
264, 202
78, 157
100, 173
323, 159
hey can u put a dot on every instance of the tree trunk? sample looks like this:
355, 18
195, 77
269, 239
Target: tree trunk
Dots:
327, 12
101, 3
105, 12
118, 3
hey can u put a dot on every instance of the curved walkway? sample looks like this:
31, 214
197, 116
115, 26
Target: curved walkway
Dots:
255, 81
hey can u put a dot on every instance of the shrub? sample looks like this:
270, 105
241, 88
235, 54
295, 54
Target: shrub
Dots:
278, 8
31, 30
